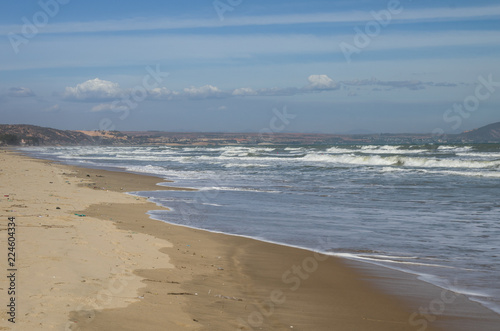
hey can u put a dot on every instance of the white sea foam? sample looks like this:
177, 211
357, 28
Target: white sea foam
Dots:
392, 261
454, 149
242, 189
340, 150
244, 151
488, 174
172, 174
349, 159
378, 160
394, 169
480, 154
391, 150
449, 163
246, 165
149, 169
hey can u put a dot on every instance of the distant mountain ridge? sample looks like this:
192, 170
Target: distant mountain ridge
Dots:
488, 133
23, 134
19, 134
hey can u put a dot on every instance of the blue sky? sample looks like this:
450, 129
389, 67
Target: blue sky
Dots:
231, 65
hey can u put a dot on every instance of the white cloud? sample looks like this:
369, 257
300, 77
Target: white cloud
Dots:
192, 92
203, 92
244, 91
93, 90
275, 91
163, 93
97, 90
321, 82
20, 92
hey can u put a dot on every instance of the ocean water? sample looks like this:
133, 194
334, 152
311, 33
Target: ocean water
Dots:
432, 210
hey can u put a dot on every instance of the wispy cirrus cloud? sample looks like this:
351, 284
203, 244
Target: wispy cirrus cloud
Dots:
78, 51
408, 84
20, 92
171, 23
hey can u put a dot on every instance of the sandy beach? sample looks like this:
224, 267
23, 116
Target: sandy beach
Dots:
88, 257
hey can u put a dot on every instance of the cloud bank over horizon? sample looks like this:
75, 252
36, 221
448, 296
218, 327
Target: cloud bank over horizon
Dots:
98, 90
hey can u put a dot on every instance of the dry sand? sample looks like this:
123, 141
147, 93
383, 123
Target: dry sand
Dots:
116, 269
66, 262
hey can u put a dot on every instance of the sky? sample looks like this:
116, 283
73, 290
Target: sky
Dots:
319, 66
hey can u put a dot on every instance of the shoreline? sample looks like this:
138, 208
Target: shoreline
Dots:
410, 274
245, 283
428, 297
356, 263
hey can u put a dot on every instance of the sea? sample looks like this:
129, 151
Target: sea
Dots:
428, 210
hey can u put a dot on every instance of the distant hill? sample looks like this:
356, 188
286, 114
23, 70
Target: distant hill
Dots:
23, 134
486, 134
